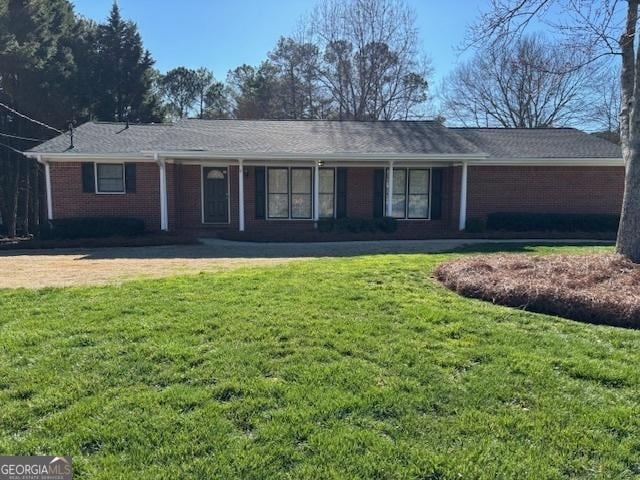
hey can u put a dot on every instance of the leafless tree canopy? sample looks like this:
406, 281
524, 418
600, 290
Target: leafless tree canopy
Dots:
605, 104
522, 84
370, 63
349, 60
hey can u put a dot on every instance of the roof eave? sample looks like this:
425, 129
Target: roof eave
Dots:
553, 161
382, 157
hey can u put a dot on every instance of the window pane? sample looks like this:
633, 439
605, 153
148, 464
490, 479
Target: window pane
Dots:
418, 206
418, 181
399, 181
398, 204
326, 180
278, 205
300, 180
278, 182
326, 205
300, 205
110, 178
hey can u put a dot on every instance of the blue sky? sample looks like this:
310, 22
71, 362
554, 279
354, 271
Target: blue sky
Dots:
222, 34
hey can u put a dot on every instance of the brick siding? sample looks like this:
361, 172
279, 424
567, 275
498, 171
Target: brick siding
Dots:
70, 201
544, 190
490, 189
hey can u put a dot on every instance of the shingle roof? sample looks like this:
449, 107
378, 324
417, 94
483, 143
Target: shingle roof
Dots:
539, 143
330, 137
314, 137
105, 138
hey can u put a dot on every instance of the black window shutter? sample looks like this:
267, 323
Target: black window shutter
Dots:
378, 193
436, 193
130, 177
341, 193
260, 193
88, 179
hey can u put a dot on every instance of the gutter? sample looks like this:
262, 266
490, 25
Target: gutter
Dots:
346, 157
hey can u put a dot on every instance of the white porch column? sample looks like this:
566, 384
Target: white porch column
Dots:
241, 195
47, 178
390, 191
463, 198
316, 193
164, 216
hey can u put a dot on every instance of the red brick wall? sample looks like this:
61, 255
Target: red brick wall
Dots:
70, 201
490, 189
544, 190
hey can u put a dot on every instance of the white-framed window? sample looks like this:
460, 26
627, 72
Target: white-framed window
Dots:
289, 193
109, 178
301, 187
278, 192
411, 193
327, 192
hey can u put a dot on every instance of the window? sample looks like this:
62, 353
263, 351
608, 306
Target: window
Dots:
326, 194
110, 178
301, 193
278, 193
399, 199
410, 193
418, 206
289, 193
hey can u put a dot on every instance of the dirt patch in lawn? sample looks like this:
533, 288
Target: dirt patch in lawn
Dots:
600, 288
61, 268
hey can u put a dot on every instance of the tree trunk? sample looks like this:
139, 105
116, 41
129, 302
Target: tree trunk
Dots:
628, 243
629, 232
26, 196
12, 201
35, 198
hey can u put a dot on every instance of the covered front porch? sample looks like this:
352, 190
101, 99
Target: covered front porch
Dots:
280, 199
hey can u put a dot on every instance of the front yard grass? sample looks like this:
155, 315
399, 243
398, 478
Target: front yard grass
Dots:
337, 368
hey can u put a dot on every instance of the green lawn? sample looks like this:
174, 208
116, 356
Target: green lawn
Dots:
339, 368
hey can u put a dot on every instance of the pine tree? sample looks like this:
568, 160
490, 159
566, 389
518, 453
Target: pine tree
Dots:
123, 73
36, 71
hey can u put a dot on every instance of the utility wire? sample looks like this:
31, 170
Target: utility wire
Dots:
11, 148
22, 138
29, 118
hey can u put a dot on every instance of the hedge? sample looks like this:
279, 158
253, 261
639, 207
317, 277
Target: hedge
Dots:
559, 222
92, 227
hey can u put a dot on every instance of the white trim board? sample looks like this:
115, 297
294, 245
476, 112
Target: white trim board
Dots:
346, 160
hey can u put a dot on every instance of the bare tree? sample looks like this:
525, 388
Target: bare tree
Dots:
371, 64
605, 107
521, 85
594, 29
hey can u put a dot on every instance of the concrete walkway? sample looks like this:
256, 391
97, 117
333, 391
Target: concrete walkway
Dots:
65, 267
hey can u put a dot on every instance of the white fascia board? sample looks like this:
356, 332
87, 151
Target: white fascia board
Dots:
342, 157
80, 157
550, 162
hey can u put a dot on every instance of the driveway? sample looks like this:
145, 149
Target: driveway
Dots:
66, 267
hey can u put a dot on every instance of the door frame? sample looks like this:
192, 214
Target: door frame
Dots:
202, 179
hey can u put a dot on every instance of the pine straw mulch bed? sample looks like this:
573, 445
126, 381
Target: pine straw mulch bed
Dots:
598, 288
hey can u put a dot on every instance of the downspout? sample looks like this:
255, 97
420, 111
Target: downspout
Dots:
240, 195
463, 198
